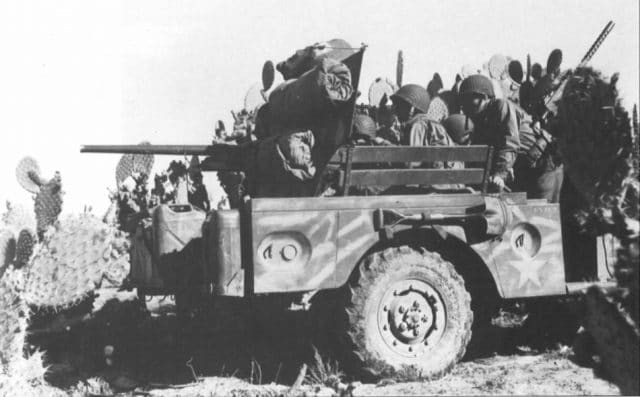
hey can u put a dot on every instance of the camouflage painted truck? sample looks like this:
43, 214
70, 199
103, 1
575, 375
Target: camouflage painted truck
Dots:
398, 279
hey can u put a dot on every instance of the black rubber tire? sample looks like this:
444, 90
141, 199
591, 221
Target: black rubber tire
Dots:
367, 353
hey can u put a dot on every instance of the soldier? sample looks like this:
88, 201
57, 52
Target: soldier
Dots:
459, 128
364, 132
523, 155
411, 104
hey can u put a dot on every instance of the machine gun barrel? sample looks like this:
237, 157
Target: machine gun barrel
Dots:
553, 96
596, 44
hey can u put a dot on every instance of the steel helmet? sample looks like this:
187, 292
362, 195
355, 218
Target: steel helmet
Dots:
364, 125
477, 84
415, 95
458, 127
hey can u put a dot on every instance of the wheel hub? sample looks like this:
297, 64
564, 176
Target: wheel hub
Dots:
412, 317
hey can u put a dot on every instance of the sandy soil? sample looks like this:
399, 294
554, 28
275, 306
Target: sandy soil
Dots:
156, 354
541, 374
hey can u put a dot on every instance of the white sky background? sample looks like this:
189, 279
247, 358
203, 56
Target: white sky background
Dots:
83, 72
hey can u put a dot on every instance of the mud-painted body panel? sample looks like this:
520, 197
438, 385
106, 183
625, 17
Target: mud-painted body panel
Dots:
527, 260
315, 243
294, 250
336, 232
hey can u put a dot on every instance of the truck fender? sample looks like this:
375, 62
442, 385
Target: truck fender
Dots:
450, 242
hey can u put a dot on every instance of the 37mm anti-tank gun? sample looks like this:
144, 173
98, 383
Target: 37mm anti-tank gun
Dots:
409, 273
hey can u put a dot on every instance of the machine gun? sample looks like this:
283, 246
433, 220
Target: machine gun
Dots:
550, 98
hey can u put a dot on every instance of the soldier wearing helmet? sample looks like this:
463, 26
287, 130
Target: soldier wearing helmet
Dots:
364, 131
521, 152
459, 128
411, 104
409, 101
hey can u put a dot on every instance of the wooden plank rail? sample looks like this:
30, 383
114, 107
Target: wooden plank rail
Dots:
391, 177
404, 154
387, 165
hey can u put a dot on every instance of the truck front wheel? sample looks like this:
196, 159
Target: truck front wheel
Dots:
407, 311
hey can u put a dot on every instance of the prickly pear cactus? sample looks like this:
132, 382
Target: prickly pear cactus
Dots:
48, 203
7, 250
133, 163
27, 239
13, 317
124, 169
73, 260
19, 375
28, 174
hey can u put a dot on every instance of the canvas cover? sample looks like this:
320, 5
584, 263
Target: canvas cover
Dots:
305, 102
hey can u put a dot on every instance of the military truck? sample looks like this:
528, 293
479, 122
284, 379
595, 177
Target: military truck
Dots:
398, 279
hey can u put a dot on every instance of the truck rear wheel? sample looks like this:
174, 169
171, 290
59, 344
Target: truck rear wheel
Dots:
407, 311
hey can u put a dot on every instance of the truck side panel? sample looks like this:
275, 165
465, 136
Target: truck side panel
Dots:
309, 244
355, 236
528, 258
294, 250
315, 250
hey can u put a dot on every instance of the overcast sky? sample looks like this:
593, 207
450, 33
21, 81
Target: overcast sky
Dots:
75, 72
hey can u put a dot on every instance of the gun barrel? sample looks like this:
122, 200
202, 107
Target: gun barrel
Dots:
176, 150
597, 43
554, 95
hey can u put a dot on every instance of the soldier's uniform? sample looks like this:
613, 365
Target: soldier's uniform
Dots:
523, 155
418, 128
421, 130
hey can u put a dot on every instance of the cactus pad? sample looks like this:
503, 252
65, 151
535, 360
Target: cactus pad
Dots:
133, 163
13, 317
7, 250
24, 247
48, 203
28, 174
72, 261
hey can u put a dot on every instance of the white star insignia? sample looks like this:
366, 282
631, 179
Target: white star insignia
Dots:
528, 269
